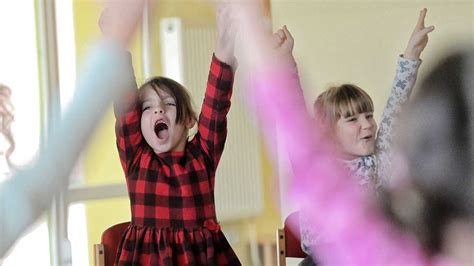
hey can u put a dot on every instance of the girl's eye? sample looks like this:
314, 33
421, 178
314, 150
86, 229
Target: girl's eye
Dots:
351, 119
369, 116
170, 104
145, 108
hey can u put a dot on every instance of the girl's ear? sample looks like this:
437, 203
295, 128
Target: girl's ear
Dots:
190, 121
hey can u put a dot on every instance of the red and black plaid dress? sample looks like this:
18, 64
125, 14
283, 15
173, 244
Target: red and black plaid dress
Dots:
172, 194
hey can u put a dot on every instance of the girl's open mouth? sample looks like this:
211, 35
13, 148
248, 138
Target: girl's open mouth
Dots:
161, 130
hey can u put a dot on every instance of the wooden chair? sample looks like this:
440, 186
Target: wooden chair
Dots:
105, 252
288, 240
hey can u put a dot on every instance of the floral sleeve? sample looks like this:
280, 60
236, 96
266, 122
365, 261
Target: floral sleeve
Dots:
401, 89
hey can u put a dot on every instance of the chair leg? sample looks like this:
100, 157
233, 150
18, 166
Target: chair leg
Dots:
281, 247
99, 256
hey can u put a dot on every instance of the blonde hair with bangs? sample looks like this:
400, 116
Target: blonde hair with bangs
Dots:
341, 101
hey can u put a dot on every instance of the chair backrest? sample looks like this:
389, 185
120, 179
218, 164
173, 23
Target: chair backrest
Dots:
288, 240
292, 236
110, 240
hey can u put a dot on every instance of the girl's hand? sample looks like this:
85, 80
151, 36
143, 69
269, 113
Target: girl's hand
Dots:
226, 32
419, 38
120, 18
283, 42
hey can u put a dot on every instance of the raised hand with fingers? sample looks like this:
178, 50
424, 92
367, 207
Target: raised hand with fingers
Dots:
226, 32
419, 38
283, 42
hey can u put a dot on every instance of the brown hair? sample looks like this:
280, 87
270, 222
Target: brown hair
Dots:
341, 101
6, 118
177, 91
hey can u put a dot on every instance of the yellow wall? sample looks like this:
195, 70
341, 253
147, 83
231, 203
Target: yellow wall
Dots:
194, 10
359, 41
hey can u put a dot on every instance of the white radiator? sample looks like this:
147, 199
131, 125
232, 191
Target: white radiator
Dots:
186, 55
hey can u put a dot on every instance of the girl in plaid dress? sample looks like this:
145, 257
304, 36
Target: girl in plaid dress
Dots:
170, 178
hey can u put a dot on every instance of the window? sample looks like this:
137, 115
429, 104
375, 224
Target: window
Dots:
19, 71
76, 220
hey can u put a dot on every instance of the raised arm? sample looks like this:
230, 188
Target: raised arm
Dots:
212, 124
283, 43
126, 109
226, 31
402, 87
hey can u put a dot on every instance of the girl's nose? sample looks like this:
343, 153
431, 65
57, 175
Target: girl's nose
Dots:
366, 123
159, 110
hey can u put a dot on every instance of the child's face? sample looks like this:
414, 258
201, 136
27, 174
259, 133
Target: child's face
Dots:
355, 135
158, 122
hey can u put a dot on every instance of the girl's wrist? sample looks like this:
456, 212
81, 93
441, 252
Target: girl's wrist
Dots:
411, 53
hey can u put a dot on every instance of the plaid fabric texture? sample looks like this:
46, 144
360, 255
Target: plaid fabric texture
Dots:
172, 194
